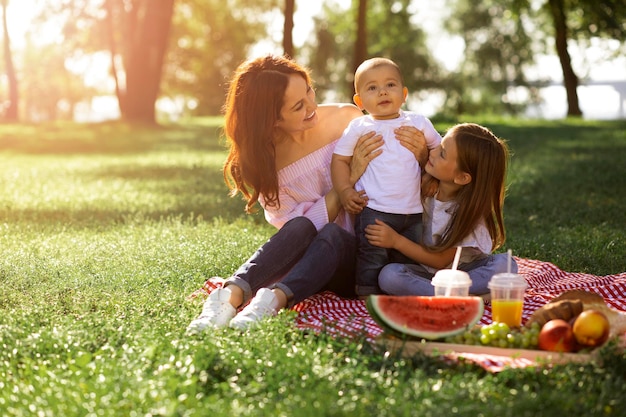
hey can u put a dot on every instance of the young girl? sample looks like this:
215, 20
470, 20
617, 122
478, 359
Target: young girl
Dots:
465, 210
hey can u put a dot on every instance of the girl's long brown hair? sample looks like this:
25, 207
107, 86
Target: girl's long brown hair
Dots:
485, 157
252, 108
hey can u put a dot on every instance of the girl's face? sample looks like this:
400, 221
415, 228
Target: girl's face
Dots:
298, 111
442, 161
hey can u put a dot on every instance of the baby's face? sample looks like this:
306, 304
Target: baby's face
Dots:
380, 92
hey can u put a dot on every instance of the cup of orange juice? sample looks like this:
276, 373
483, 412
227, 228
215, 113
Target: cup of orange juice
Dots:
507, 298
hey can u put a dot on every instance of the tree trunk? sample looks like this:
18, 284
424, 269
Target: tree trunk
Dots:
11, 114
570, 79
145, 43
360, 47
110, 29
290, 6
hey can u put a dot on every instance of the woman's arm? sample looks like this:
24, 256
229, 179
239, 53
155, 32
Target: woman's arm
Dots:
351, 200
380, 234
414, 140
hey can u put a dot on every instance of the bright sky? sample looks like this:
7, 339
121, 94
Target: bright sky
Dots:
19, 16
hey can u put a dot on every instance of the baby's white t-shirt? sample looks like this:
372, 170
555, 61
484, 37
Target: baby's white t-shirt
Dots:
391, 180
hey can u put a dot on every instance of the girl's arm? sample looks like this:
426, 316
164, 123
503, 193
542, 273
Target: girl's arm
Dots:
380, 234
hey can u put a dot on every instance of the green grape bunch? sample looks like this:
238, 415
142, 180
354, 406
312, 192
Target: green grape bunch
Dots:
499, 335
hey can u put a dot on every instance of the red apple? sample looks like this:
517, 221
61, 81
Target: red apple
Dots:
557, 336
591, 328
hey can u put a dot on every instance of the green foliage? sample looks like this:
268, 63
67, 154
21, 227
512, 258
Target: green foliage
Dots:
390, 33
107, 229
208, 40
498, 51
592, 18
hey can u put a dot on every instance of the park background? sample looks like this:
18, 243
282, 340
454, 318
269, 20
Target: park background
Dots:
96, 60
109, 227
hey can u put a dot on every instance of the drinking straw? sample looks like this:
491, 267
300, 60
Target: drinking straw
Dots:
457, 256
455, 264
508, 268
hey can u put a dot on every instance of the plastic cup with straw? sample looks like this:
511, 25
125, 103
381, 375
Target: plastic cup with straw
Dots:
507, 296
452, 282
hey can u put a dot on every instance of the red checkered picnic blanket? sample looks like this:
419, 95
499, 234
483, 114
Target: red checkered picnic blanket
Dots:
349, 318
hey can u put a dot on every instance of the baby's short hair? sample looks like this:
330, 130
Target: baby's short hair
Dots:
371, 63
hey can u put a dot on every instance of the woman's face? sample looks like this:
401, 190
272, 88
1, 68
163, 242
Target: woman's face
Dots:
298, 111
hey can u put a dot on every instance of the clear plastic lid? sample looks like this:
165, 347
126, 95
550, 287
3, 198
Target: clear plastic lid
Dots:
507, 280
452, 278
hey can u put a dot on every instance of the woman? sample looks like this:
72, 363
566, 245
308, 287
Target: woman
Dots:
281, 144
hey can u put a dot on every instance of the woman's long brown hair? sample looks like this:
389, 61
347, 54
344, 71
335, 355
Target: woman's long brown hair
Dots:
252, 108
485, 157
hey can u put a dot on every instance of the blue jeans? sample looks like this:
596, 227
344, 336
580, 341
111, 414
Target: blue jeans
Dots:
301, 262
370, 258
401, 279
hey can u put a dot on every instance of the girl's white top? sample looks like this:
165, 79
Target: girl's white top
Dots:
437, 216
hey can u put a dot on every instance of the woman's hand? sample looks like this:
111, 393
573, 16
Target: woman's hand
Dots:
413, 139
366, 149
381, 235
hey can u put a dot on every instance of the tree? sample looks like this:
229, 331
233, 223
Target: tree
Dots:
360, 46
52, 91
11, 114
332, 56
581, 20
204, 49
593, 18
136, 34
143, 46
290, 7
570, 80
498, 43
498, 50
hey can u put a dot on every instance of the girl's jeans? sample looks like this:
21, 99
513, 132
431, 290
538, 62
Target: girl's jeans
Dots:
301, 262
402, 279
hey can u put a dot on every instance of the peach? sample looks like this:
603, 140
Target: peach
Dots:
591, 328
557, 336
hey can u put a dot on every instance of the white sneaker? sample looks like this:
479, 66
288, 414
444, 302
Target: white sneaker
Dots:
216, 312
264, 304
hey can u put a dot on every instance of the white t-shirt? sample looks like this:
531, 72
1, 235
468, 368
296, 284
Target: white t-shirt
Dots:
437, 216
391, 180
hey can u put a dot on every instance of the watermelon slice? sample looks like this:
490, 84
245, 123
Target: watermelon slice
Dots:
425, 317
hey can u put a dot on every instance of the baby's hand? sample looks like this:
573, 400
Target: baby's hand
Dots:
353, 201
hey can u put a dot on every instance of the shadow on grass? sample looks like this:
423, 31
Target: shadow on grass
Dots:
109, 138
568, 173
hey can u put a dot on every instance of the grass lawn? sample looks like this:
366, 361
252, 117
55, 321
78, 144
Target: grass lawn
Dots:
107, 229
